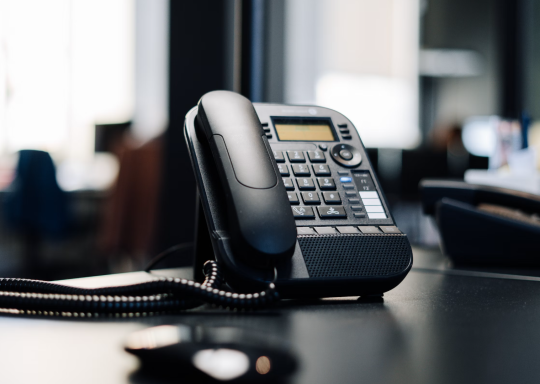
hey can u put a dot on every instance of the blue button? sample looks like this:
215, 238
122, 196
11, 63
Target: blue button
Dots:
345, 179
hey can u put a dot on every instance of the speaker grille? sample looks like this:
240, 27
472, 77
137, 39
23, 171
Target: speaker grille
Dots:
373, 255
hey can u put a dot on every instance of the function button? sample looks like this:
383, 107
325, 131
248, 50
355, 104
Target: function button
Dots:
343, 173
369, 195
356, 207
374, 208
300, 170
354, 201
278, 156
375, 215
363, 181
331, 198
321, 170
350, 194
345, 131
331, 212
305, 231
311, 198
348, 186
359, 215
316, 156
344, 125
269, 135
371, 202
325, 230
369, 229
345, 154
287, 182
265, 124
346, 137
305, 184
323, 147
283, 169
303, 213
390, 229
326, 183
296, 156
266, 129
345, 179
347, 230
293, 198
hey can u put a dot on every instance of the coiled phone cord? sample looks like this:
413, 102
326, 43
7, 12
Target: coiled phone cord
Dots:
163, 295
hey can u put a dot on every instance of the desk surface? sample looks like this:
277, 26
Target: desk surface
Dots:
438, 326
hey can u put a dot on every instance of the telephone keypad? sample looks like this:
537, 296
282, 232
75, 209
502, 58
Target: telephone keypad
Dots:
303, 213
305, 184
283, 169
321, 170
293, 198
331, 198
311, 198
332, 212
287, 182
296, 156
326, 183
301, 170
278, 155
316, 156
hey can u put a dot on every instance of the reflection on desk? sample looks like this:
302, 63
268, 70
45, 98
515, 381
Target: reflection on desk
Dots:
438, 326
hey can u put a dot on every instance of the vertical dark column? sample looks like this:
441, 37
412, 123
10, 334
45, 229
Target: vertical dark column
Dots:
196, 66
512, 57
253, 50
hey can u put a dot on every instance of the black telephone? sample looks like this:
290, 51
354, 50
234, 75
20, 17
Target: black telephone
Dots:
290, 190
482, 224
338, 239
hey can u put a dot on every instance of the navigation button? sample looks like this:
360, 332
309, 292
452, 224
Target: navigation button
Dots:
326, 183
331, 212
300, 170
331, 198
305, 184
345, 154
296, 156
303, 213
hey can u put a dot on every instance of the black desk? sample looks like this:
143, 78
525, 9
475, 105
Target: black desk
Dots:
438, 326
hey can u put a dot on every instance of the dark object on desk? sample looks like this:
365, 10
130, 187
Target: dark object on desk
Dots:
35, 206
487, 225
334, 237
212, 353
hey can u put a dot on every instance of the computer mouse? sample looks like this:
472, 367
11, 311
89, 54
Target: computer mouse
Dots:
212, 353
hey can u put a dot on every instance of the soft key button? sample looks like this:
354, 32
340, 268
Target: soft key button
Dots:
390, 229
325, 230
347, 230
369, 229
305, 231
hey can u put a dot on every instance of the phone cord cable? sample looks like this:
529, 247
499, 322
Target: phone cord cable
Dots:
159, 296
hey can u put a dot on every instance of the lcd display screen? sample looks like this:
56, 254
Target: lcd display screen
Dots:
304, 130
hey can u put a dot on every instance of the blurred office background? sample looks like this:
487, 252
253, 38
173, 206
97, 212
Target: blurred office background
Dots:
94, 173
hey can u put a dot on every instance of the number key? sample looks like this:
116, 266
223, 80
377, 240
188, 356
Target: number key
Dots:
300, 170
331, 198
326, 183
305, 184
293, 198
287, 182
321, 170
316, 156
278, 156
311, 198
283, 169
296, 156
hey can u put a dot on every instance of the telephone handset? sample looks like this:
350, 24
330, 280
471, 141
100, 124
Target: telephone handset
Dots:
260, 219
289, 189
